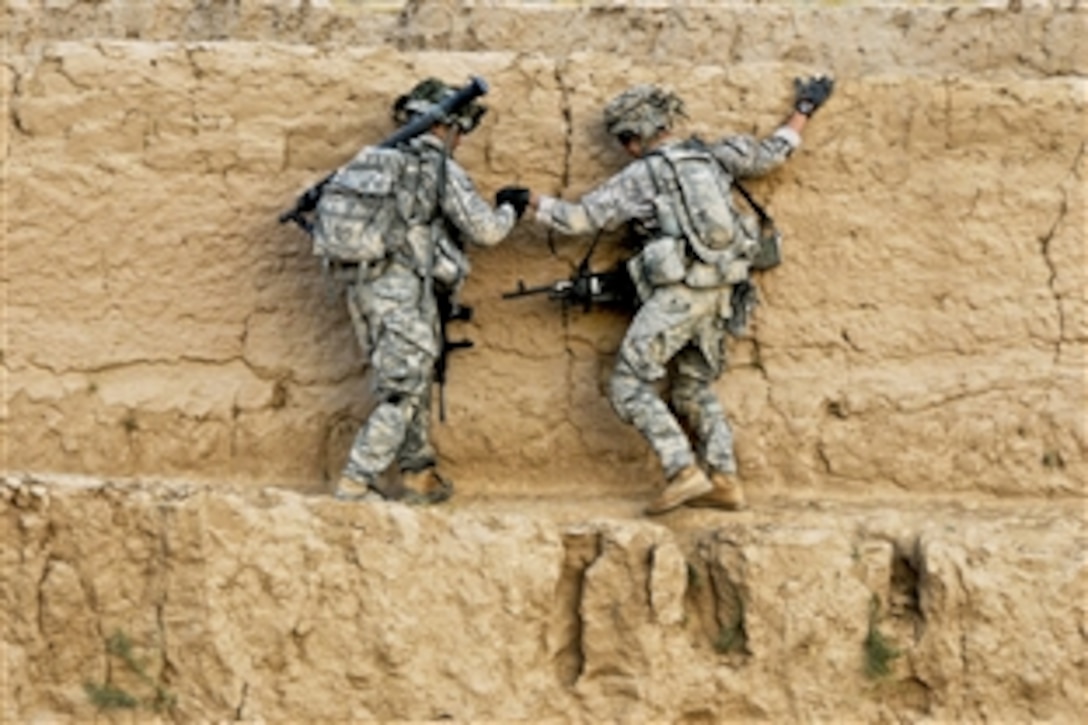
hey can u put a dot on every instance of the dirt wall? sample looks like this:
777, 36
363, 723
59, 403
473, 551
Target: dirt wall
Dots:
926, 332
217, 605
178, 385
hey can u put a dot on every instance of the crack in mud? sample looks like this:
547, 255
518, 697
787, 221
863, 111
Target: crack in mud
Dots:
1052, 266
581, 550
564, 183
162, 575
240, 709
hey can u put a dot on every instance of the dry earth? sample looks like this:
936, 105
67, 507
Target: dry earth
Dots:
178, 386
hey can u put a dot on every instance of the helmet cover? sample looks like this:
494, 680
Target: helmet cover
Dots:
642, 111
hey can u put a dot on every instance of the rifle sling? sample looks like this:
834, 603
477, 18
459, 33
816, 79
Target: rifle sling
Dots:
764, 217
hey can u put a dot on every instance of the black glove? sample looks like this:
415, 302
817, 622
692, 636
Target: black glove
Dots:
515, 196
811, 93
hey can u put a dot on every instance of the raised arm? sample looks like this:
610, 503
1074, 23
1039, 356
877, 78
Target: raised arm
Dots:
745, 156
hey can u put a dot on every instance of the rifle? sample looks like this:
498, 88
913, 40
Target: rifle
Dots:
585, 287
307, 201
448, 311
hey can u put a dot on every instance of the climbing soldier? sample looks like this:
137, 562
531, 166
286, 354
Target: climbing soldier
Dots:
696, 253
395, 216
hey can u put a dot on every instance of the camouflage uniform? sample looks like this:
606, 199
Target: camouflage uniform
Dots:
680, 328
393, 307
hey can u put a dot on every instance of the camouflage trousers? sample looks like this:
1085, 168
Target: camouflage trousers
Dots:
401, 343
678, 335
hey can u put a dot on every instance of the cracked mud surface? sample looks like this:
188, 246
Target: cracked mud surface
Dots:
908, 408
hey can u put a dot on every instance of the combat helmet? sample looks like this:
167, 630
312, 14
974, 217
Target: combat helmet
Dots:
642, 112
426, 95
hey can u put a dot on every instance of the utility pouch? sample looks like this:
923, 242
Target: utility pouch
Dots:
451, 265
737, 271
345, 229
769, 252
704, 276
663, 262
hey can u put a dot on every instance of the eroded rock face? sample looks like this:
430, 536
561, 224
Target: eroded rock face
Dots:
921, 353
270, 605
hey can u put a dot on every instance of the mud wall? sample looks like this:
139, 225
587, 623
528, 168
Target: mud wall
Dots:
909, 407
214, 605
926, 333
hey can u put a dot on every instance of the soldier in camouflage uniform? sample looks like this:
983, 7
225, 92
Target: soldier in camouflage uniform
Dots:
393, 302
697, 248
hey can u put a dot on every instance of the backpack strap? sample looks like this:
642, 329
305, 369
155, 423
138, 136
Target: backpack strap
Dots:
764, 217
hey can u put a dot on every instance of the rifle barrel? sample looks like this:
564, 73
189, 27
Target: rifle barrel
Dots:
523, 291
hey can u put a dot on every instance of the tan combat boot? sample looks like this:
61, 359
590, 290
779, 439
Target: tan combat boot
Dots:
348, 489
426, 486
727, 494
689, 483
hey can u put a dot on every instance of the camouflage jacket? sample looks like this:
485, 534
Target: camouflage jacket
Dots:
466, 214
630, 194
462, 205
679, 196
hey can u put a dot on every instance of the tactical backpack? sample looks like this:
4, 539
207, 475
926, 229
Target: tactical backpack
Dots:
366, 204
693, 202
693, 199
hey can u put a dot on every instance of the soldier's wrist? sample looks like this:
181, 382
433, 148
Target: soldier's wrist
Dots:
543, 208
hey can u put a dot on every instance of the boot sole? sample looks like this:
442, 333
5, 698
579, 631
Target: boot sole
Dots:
708, 503
656, 509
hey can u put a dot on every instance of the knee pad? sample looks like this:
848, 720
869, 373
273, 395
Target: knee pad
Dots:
404, 404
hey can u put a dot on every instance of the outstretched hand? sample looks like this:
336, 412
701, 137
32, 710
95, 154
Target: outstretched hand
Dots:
811, 93
515, 196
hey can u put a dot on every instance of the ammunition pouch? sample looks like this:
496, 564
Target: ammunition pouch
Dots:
427, 244
704, 276
661, 262
451, 265
763, 242
769, 253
